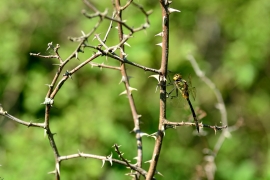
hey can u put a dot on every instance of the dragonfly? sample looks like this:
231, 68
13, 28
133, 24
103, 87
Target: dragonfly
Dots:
182, 86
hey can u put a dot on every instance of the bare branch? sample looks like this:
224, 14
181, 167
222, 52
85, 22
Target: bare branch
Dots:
169, 124
28, 124
162, 102
103, 158
104, 66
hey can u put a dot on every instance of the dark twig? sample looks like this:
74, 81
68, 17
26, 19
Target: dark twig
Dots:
124, 60
28, 124
131, 166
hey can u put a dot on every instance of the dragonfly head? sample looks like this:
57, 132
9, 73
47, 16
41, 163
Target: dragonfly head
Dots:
177, 77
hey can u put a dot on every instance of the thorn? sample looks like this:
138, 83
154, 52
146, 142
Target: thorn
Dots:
143, 134
159, 44
45, 132
58, 168
171, 10
92, 64
159, 34
156, 76
148, 161
127, 44
76, 55
96, 36
115, 145
132, 89
123, 79
49, 85
101, 65
159, 174
50, 45
103, 162
51, 172
83, 33
110, 158
154, 135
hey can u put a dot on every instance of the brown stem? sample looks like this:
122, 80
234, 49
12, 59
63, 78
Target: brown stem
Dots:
127, 87
162, 102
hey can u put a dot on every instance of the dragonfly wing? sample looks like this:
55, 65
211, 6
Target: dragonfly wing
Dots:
193, 92
192, 89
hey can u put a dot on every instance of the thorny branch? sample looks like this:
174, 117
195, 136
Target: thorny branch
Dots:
169, 124
102, 49
110, 52
103, 158
125, 80
162, 102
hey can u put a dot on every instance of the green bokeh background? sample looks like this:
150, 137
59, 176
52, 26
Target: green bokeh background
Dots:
229, 39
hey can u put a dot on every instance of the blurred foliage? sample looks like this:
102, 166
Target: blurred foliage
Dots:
229, 39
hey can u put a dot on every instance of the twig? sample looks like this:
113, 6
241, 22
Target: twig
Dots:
126, 5
104, 66
169, 124
43, 56
131, 166
103, 158
124, 60
28, 124
109, 29
51, 93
